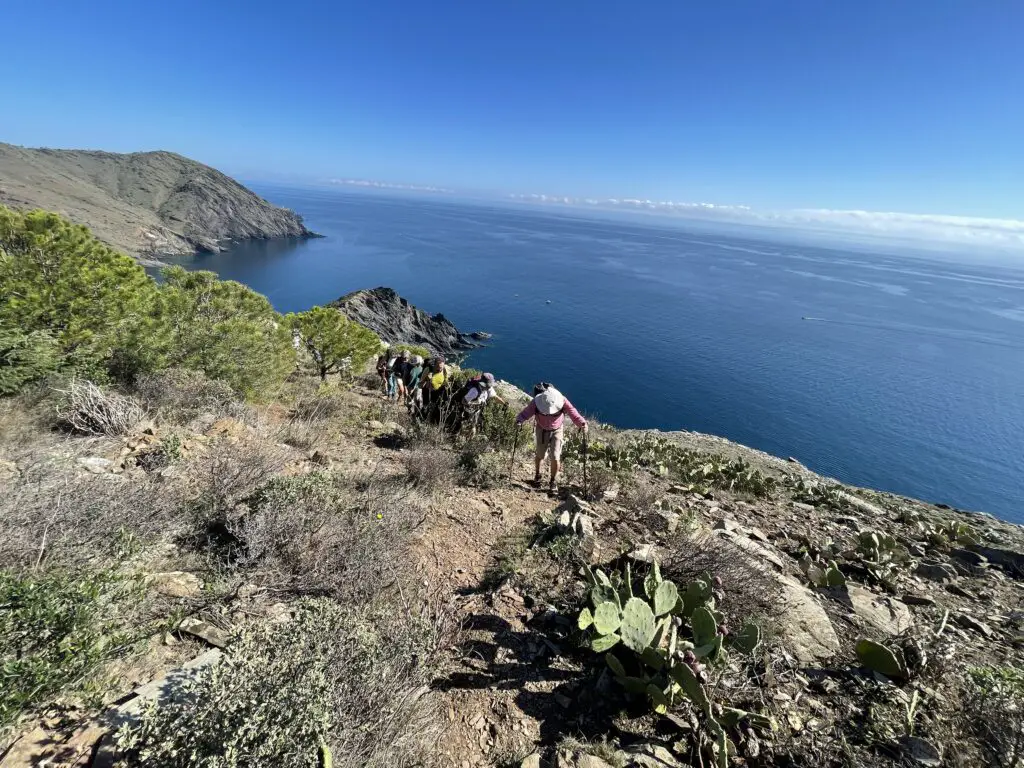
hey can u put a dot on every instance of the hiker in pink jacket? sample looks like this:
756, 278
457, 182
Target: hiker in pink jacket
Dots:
549, 407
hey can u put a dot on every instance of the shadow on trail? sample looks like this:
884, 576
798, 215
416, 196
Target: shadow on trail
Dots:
538, 664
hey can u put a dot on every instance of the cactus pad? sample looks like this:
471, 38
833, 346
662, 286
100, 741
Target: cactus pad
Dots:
638, 625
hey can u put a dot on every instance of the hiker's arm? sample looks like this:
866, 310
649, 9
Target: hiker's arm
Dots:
578, 420
527, 413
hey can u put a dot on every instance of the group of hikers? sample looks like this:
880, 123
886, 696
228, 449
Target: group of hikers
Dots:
424, 386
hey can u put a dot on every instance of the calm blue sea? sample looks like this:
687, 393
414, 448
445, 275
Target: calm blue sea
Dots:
912, 380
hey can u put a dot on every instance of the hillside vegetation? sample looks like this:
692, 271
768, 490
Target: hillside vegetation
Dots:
221, 547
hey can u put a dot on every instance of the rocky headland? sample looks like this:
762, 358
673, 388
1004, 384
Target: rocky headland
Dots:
147, 204
397, 321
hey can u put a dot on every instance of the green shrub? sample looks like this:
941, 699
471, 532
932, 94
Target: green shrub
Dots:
331, 676
498, 424
335, 344
25, 357
225, 330
55, 630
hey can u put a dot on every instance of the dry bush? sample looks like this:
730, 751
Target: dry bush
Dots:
351, 678
89, 410
50, 516
994, 713
179, 394
642, 492
429, 468
322, 533
319, 407
479, 466
600, 480
222, 479
751, 591
299, 433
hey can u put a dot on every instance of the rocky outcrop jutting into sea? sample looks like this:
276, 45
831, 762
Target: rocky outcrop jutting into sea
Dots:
148, 204
397, 321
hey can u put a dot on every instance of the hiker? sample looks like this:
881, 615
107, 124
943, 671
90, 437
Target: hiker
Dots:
472, 397
549, 407
400, 371
414, 396
433, 379
382, 370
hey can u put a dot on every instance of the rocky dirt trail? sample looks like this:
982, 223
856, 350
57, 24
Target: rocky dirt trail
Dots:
943, 587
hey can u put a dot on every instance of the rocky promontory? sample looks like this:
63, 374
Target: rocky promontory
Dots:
148, 204
397, 321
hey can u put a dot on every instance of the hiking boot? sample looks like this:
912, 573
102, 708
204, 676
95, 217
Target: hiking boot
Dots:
535, 483
552, 488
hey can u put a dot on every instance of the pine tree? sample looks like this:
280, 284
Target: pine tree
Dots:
96, 303
226, 330
333, 341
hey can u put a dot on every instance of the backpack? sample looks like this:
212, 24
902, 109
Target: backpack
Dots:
460, 395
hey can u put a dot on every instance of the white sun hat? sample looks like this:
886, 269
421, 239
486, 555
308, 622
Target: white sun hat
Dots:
549, 402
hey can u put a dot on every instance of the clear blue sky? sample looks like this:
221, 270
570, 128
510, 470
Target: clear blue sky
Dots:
908, 105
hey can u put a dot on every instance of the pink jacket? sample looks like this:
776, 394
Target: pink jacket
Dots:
551, 422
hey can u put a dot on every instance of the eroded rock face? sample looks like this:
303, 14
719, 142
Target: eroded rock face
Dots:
397, 321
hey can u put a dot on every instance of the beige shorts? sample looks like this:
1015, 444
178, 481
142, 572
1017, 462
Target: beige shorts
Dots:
548, 442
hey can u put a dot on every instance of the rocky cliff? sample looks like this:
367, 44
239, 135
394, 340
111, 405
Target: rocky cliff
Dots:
147, 204
397, 321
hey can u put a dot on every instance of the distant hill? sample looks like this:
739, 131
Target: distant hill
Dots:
147, 204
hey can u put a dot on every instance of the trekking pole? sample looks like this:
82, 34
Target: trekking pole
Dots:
586, 451
515, 444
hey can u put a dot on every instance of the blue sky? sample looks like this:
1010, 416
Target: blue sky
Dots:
885, 105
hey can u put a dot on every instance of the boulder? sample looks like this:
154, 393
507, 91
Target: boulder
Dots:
757, 551
1008, 559
651, 756
532, 761
973, 624
936, 571
175, 584
583, 526
96, 464
645, 553
884, 614
804, 628
862, 504
205, 631
920, 751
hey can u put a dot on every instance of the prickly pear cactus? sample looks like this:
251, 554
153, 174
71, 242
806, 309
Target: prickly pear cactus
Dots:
666, 596
704, 626
881, 659
638, 625
748, 638
607, 618
833, 576
698, 593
